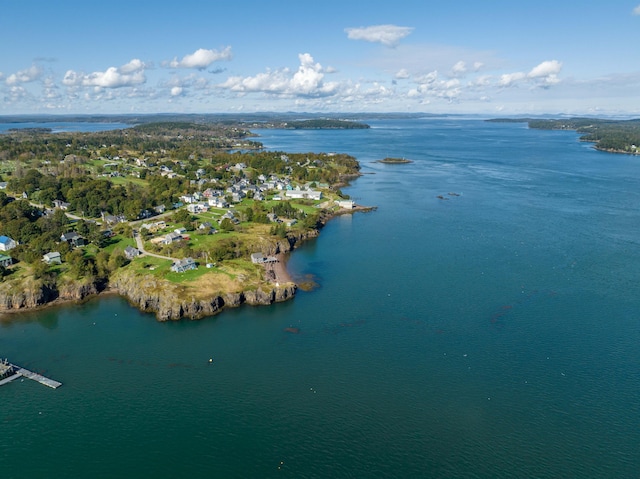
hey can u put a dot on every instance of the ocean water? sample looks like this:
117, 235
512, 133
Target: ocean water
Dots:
492, 332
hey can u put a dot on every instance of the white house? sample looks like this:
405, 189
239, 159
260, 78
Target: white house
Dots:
7, 243
52, 258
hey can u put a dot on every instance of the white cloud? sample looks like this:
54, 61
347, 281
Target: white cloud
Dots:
176, 91
546, 69
402, 74
388, 35
133, 66
459, 69
636, 11
130, 74
200, 59
306, 81
543, 75
15, 94
33, 73
510, 79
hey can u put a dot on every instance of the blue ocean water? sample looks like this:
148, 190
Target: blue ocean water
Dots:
492, 332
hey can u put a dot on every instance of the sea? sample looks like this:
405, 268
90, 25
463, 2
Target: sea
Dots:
482, 322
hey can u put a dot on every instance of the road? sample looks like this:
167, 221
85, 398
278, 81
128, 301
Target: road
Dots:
140, 245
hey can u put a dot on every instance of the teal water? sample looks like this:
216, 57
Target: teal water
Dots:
491, 334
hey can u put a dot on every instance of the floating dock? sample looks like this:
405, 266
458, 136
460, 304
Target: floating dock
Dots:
10, 372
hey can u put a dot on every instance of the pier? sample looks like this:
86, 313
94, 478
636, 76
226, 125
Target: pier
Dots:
10, 372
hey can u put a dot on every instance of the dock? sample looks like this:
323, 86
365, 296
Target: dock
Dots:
10, 372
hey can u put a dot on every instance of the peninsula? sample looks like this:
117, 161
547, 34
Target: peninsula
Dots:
183, 219
613, 136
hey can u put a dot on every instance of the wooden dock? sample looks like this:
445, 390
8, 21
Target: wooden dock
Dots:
22, 372
38, 377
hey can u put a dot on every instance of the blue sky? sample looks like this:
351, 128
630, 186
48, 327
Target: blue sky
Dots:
498, 57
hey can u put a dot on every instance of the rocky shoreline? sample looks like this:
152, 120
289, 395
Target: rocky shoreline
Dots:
168, 301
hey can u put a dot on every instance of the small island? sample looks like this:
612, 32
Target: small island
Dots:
181, 218
394, 161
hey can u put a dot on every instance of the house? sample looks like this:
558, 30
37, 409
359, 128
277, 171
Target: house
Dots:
7, 243
159, 209
5, 261
218, 202
259, 258
130, 252
183, 265
153, 227
307, 194
346, 204
52, 258
73, 238
196, 208
172, 237
180, 231
63, 205
113, 219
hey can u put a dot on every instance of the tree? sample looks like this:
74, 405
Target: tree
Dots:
182, 216
227, 225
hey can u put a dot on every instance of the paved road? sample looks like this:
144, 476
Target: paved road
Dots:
140, 245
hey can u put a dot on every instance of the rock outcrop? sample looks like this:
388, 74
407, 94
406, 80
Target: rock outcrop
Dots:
31, 293
171, 301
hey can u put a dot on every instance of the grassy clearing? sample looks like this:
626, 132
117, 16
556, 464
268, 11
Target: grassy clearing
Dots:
124, 181
119, 243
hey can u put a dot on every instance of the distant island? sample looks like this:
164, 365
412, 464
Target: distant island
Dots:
394, 161
614, 136
183, 219
322, 124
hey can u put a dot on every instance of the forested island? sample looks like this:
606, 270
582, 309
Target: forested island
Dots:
615, 136
181, 218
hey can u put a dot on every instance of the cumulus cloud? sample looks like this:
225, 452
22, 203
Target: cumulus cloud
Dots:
546, 69
130, 74
459, 69
430, 85
33, 73
200, 59
543, 75
306, 81
388, 35
176, 91
510, 79
636, 11
402, 74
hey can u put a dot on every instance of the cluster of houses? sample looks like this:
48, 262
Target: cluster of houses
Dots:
200, 202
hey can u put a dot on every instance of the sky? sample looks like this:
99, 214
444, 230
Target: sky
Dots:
459, 57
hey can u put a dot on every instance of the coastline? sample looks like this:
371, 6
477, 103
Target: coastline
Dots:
278, 281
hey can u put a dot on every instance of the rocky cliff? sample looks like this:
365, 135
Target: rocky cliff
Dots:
171, 301
29, 293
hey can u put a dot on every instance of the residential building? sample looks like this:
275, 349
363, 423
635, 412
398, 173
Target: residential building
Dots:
5, 261
183, 265
130, 252
52, 258
7, 243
